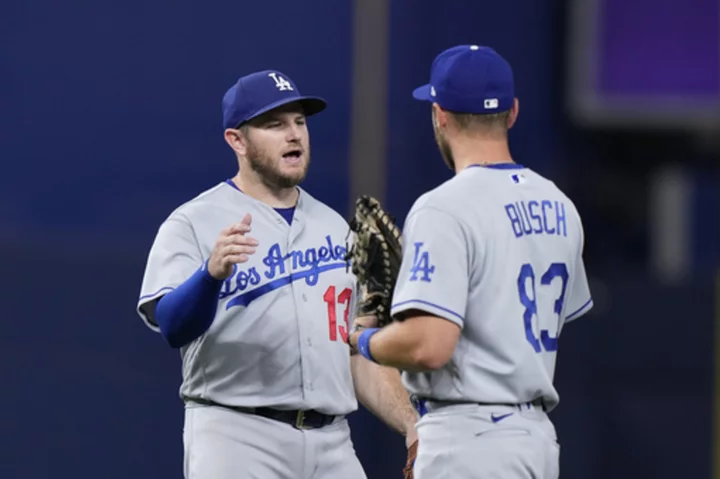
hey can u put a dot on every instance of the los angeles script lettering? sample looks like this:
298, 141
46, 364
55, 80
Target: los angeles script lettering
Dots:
307, 262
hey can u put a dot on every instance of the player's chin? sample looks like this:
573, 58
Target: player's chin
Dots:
294, 171
289, 179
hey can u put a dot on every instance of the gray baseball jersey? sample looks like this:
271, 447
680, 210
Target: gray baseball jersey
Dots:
497, 251
278, 337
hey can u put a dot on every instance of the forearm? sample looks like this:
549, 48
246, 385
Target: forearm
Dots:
185, 313
401, 346
380, 390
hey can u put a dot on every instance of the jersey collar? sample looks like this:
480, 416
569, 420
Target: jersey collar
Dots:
499, 166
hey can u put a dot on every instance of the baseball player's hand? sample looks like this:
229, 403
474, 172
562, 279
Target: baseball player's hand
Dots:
364, 322
232, 247
359, 324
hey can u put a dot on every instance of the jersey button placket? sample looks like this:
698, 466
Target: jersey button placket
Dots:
300, 299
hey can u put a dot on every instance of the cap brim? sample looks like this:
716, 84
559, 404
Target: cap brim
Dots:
311, 105
423, 93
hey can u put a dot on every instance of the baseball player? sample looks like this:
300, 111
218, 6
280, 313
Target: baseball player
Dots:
248, 280
491, 271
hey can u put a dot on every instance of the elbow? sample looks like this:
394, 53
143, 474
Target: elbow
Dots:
177, 330
173, 337
170, 328
431, 358
174, 341
177, 333
169, 331
429, 363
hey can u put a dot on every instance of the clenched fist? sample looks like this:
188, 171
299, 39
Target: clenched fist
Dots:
232, 247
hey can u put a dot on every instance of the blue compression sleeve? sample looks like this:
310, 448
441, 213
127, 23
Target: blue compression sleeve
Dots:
186, 312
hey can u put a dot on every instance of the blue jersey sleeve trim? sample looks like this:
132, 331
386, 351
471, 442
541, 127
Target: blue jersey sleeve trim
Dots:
580, 311
427, 303
154, 295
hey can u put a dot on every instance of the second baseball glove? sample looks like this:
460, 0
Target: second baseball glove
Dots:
375, 257
410, 462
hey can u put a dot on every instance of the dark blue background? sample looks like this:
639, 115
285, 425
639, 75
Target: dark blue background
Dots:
111, 118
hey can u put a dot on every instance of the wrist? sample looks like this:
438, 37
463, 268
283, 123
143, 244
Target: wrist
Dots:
363, 343
209, 275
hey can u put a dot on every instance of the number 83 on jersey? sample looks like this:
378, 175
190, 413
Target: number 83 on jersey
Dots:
549, 324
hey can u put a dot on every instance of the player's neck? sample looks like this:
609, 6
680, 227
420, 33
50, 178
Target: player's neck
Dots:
273, 197
476, 151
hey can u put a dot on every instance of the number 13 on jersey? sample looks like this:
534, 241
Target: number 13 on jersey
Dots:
332, 301
528, 298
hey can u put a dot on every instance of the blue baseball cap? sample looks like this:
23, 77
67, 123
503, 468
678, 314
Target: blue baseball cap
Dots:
469, 79
260, 92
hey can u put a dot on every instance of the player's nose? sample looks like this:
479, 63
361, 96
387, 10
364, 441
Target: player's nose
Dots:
294, 133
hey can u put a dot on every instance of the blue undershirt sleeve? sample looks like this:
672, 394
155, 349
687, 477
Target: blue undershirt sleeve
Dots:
185, 313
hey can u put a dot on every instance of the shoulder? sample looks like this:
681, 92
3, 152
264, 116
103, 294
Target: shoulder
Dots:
444, 198
438, 213
320, 211
189, 211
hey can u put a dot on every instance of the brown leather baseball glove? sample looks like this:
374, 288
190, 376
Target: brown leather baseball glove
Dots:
375, 257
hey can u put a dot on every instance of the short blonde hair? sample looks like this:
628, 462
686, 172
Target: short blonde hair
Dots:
482, 123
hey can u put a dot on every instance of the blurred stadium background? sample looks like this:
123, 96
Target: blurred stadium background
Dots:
110, 118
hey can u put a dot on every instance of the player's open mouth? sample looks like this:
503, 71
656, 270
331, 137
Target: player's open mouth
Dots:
293, 156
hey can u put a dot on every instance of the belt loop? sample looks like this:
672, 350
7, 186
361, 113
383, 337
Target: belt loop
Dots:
300, 420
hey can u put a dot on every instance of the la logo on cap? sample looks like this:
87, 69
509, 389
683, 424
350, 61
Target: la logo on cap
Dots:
281, 83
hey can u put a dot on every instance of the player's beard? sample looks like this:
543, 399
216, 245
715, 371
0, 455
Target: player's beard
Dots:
443, 145
269, 172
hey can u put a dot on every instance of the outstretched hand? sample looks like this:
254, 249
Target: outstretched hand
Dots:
232, 247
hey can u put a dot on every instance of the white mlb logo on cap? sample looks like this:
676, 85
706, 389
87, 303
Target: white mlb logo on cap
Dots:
491, 103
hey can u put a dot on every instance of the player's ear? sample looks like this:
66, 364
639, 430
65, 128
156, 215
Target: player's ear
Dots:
514, 111
236, 139
440, 116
